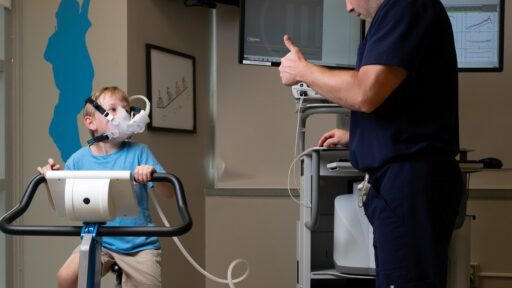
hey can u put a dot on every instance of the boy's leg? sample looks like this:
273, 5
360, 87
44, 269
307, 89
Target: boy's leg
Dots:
107, 259
140, 269
67, 276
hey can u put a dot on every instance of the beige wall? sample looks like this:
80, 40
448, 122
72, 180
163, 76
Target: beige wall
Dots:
252, 96
259, 229
107, 38
116, 40
485, 119
171, 25
490, 239
258, 157
486, 126
255, 121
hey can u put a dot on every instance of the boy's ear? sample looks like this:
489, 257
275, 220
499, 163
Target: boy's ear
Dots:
90, 123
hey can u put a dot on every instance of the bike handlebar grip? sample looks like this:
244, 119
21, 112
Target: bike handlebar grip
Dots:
16, 212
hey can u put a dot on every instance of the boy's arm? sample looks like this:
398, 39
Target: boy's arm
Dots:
143, 173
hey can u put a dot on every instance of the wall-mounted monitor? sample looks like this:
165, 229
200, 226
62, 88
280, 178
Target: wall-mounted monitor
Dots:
478, 30
322, 29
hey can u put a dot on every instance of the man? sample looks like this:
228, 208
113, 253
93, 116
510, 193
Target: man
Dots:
404, 132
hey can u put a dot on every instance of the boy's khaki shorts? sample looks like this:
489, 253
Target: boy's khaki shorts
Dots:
140, 269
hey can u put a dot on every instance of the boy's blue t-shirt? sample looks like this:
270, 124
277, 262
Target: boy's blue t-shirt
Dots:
128, 157
420, 117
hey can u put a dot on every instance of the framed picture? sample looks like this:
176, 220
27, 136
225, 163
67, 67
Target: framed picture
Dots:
171, 89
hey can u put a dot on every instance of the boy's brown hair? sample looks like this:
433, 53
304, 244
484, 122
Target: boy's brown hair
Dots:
113, 91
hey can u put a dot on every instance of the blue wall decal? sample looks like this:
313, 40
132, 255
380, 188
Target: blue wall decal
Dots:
73, 72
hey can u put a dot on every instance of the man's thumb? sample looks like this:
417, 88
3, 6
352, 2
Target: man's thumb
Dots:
288, 42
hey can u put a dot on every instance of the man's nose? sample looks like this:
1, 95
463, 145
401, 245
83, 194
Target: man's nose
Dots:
349, 6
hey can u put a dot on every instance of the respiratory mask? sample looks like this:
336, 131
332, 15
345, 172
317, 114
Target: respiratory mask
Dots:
123, 125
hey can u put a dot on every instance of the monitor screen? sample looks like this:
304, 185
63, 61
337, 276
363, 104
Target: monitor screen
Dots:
478, 32
326, 34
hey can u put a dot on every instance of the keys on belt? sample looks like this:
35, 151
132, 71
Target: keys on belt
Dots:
363, 189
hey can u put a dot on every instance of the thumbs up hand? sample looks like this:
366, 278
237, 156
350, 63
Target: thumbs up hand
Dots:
293, 65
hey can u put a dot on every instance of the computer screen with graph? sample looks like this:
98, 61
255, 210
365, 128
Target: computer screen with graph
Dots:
478, 30
324, 32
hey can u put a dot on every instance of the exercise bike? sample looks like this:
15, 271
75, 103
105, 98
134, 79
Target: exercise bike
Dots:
90, 197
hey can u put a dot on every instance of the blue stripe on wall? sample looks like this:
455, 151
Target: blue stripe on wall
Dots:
73, 72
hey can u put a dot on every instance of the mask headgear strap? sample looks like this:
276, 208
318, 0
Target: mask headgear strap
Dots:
99, 108
99, 138
105, 114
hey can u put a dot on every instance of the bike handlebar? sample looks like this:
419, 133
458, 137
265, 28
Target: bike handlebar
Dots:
7, 227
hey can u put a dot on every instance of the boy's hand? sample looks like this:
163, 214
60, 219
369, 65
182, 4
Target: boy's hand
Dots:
50, 166
142, 173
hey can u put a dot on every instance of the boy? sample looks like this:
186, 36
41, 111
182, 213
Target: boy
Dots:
139, 257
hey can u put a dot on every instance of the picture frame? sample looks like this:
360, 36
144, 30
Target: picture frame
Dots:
171, 89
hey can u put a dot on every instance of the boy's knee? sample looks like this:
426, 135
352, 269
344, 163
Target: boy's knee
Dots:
66, 278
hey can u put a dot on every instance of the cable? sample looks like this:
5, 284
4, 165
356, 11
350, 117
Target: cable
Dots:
289, 190
307, 151
299, 106
229, 279
292, 165
297, 157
